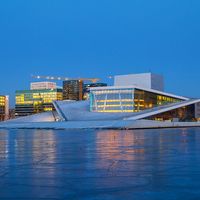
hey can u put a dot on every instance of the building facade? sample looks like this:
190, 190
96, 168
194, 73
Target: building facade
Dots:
29, 102
128, 99
73, 90
185, 113
4, 108
144, 80
43, 85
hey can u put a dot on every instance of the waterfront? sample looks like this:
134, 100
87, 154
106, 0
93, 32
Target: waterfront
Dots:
97, 165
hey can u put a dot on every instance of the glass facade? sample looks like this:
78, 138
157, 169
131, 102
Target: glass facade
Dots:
183, 114
126, 100
34, 101
4, 108
112, 100
145, 100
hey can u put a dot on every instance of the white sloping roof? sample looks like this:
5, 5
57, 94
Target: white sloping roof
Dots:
162, 109
80, 111
40, 117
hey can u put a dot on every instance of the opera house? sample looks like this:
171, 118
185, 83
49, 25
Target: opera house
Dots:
135, 100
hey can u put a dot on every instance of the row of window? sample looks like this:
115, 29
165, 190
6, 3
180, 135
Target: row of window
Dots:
126, 100
43, 98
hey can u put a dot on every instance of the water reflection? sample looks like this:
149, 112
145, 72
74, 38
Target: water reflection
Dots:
44, 151
121, 145
144, 150
3, 145
44, 146
48, 164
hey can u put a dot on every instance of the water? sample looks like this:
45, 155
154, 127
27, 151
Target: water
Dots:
100, 165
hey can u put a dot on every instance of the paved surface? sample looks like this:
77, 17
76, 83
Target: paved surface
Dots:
98, 165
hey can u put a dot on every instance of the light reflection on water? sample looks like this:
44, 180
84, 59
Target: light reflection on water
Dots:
105, 164
4, 145
114, 145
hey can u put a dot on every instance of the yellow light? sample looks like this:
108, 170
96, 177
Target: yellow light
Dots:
117, 105
115, 100
114, 111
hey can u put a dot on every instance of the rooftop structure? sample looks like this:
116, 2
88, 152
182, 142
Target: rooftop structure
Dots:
43, 85
144, 80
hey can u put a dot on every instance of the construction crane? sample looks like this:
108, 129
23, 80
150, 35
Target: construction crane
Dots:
58, 78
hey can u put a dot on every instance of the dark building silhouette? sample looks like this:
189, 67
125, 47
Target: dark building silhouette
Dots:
87, 86
73, 90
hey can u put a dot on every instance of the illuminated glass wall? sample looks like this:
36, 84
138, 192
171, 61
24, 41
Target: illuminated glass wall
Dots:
183, 114
3, 108
145, 100
126, 100
112, 100
34, 101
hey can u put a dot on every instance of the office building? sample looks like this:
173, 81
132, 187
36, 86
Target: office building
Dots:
29, 102
4, 108
73, 90
144, 80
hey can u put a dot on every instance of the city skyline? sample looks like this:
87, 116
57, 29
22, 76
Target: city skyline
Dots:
99, 39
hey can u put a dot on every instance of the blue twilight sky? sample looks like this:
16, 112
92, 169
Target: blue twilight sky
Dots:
98, 38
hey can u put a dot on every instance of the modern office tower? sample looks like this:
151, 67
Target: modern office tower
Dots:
73, 90
35, 101
43, 85
144, 80
4, 108
87, 87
